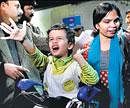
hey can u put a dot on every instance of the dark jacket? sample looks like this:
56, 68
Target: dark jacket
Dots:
127, 70
7, 85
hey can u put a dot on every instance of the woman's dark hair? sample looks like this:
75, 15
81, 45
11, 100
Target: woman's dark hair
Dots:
102, 9
128, 11
70, 35
3, 1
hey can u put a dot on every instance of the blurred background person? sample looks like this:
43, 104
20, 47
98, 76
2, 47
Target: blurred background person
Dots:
38, 37
127, 20
78, 30
127, 60
80, 35
13, 58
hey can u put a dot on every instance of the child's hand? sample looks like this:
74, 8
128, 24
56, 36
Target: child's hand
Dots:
79, 58
77, 55
14, 32
80, 51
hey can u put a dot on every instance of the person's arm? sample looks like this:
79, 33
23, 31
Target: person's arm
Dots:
88, 75
18, 34
21, 35
39, 59
29, 46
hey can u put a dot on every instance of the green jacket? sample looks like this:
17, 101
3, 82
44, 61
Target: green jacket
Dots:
88, 74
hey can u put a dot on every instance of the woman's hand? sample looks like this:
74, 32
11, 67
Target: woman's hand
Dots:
14, 32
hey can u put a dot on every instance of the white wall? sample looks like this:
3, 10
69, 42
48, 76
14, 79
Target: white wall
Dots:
42, 19
86, 10
45, 18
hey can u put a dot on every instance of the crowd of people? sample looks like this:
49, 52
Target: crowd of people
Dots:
98, 57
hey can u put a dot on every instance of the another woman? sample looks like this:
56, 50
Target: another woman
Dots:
105, 54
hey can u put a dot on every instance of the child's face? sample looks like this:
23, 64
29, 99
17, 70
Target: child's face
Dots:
58, 43
109, 24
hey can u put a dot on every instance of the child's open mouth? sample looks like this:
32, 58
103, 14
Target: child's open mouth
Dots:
55, 48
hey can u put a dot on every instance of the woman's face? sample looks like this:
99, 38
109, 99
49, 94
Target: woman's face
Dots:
109, 25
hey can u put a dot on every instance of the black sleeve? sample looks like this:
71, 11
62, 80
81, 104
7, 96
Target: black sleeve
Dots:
2, 71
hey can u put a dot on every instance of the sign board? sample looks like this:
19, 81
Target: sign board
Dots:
72, 21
